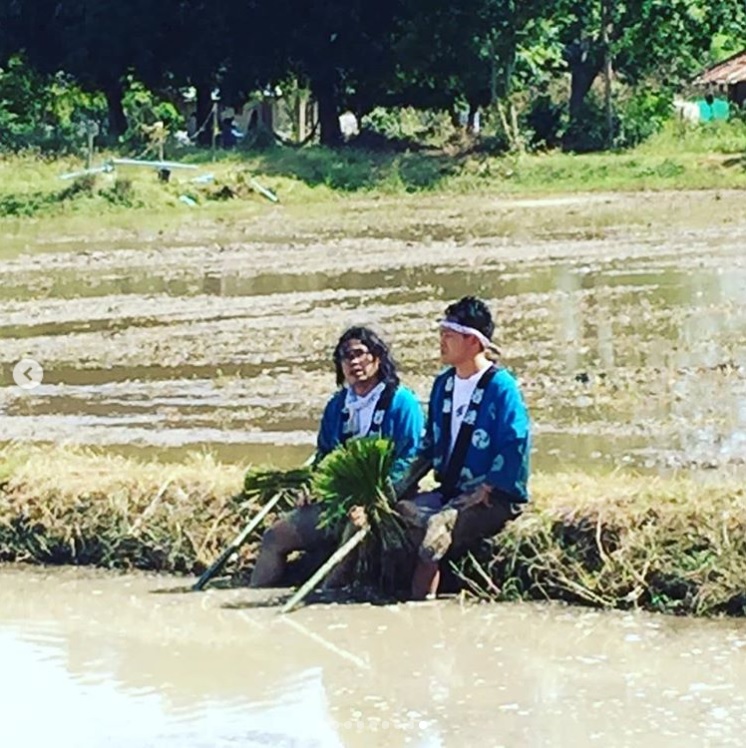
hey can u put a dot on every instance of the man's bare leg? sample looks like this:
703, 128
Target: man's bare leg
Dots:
437, 541
426, 580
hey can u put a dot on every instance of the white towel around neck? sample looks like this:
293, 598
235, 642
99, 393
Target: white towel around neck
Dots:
361, 409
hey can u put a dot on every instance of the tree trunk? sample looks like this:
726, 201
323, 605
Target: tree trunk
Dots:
582, 76
509, 122
455, 116
117, 119
472, 120
326, 96
205, 121
301, 106
493, 72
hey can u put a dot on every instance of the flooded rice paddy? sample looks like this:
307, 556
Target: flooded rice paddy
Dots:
628, 334
629, 340
121, 660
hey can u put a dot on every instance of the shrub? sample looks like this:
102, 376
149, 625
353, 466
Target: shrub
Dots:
45, 113
642, 115
122, 193
546, 121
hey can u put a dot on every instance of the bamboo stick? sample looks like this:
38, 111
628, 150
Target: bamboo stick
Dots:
238, 541
339, 555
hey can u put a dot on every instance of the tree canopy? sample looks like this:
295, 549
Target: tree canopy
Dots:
360, 54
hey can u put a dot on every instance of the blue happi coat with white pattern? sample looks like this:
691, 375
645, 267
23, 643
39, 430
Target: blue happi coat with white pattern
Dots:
499, 449
402, 422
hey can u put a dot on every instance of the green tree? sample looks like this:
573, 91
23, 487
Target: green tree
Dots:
42, 111
341, 49
666, 38
474, 52
96, 41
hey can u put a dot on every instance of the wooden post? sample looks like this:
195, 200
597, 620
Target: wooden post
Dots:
606, 22
214, 127
301, 116
92, 130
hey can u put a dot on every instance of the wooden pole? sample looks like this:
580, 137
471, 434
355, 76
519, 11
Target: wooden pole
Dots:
608, 72
214, 127
89, 154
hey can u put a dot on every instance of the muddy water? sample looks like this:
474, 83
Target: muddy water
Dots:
95, 660
631, 345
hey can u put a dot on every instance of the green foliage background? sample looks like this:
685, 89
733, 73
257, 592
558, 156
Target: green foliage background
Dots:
125, 65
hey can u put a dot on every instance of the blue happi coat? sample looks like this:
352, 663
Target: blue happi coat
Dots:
500, 445
402, 422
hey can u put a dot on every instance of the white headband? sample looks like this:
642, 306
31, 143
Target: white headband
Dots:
465, 330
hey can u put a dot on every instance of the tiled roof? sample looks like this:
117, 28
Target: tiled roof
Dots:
732, 70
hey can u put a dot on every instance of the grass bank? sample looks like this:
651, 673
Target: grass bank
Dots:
679, 158
674, 545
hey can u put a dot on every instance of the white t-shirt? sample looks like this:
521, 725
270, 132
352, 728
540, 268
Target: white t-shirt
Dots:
463, 389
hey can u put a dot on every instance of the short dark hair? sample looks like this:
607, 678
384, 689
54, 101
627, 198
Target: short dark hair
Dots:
472, 312
387, 366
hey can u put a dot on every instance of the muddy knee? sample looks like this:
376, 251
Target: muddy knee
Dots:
280, 538
438, 535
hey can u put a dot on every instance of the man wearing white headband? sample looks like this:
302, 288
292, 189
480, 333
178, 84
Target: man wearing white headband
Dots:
478, 440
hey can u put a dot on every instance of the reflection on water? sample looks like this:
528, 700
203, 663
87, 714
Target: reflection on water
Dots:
630, 354
99, 660
94, 709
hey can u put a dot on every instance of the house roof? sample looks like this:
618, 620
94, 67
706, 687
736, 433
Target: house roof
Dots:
732, 70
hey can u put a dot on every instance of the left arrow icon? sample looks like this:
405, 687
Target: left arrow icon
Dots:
28, 373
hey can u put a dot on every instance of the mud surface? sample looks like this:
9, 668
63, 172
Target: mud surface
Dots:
623, 317
93, 660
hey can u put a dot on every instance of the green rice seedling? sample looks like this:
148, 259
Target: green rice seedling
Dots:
262, 483
358, 474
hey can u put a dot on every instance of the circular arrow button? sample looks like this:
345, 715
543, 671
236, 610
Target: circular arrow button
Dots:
28, 373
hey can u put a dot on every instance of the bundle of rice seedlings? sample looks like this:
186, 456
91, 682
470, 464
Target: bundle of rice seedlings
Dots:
357, 474
262, 483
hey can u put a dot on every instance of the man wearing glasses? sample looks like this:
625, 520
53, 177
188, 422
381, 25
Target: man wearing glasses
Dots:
369, 400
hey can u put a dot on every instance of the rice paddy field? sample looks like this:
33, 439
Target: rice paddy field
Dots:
175, 357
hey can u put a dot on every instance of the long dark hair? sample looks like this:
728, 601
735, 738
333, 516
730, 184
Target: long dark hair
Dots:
387, 366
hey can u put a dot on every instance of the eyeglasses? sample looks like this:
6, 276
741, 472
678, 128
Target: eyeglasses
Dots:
353, 354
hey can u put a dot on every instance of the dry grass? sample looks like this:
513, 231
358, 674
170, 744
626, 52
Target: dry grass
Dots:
668, 544
70, 506
672, 545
